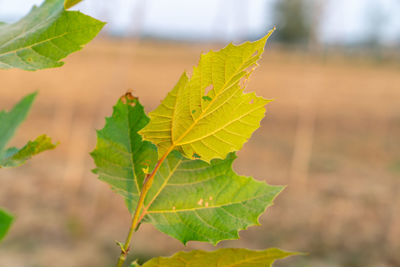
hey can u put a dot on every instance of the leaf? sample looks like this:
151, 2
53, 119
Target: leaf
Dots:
196, 200
222, 257
6, 220
189, 199
210, 123
120, 153
70, 3
14, 157
45, 36
9, 122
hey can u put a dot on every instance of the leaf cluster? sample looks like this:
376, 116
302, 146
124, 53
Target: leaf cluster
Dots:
39, 40
173, 168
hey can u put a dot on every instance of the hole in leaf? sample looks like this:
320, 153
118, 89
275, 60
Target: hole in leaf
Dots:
195, 156
254, 54
251, 101
128, 98
193, 111
208, 89
207, 98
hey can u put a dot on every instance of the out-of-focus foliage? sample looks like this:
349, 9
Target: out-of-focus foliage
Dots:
44, 36
5, 222
14, 157
9, 122
293, 21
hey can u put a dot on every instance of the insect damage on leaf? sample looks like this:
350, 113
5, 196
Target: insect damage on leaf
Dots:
128, 98
206, 98
122, 158
209, 114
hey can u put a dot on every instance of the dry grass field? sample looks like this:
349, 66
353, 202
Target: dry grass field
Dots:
332, 135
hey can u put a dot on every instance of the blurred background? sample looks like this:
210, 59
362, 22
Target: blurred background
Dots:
332, 134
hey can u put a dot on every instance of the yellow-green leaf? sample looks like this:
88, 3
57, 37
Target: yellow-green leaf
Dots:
232, 257
9, 122
208, 115
15, 157
71, 3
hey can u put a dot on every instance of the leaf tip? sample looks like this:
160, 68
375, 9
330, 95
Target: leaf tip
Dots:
70, 3
270, 32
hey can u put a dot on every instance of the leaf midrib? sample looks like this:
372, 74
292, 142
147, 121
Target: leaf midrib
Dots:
44, 41
29, 30
162, 186
220, 128
209, 207
131, 150
38, 43
176, 143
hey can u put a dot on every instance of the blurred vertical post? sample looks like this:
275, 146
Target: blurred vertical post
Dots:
79, 143
393, 226
138, 15
125, 58
302, 150
304, 137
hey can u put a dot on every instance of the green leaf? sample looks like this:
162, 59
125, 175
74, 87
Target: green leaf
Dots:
6, 220
45, 36
237, 257
14, 157
209, 114
120, 153
9, 122
189, 199
196, 200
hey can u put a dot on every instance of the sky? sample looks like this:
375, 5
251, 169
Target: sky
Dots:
342, 22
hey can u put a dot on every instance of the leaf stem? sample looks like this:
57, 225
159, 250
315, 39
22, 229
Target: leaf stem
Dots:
148, 181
